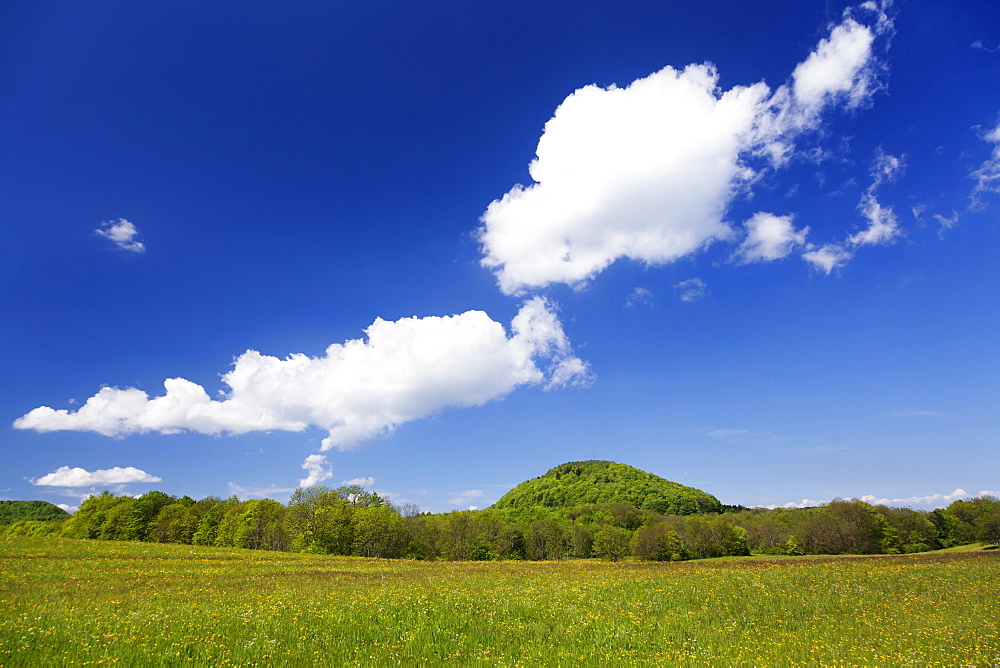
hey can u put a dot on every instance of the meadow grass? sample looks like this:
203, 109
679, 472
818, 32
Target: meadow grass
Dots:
69, 602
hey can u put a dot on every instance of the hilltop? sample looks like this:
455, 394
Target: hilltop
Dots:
15, 511
596, 481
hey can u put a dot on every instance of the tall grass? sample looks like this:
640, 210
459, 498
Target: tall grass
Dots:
68, 602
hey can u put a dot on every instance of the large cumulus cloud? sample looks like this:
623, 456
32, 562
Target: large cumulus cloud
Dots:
405, 370
647, 172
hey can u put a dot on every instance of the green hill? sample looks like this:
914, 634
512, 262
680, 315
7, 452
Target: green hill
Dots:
578, 483
14, 511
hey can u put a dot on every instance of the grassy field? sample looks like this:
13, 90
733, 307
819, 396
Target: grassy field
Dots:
66, 602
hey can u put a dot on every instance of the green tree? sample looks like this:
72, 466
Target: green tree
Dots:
657, 542
142, 513
545, 539
791, 547
611, 542
88, 520
379, 531
208, 525
988, 527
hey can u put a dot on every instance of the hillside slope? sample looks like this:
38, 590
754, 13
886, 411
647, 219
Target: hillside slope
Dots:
578, 483
14, 511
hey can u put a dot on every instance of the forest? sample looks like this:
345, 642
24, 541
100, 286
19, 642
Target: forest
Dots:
352, 521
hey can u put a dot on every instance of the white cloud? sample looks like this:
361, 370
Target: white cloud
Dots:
804, 503
987, 175
647, 172
946, 222
828, 257
691, 290
883, 226
318, 469
467, 497
928, 502
916, 413
723, 433
405, 370
839, 67
360, 482
259, 492
886, 168
68, 508
65, 476
123, 233
769, 237
639, 297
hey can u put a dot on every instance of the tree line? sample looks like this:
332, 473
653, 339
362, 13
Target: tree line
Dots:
352, 521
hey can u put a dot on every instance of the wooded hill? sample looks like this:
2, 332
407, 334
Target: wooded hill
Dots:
595, 481
529, 522
43, 511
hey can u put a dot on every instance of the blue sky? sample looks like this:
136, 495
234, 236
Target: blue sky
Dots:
439, 248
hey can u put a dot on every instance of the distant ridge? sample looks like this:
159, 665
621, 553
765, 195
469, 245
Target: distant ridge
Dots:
598, 481
16, 511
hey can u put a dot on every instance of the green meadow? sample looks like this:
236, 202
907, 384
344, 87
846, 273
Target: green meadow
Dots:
78, 602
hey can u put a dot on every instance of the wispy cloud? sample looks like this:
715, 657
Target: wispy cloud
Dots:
361, 482
123, 233
467, 498
259, 492
723, 433
639, 297
987, 175
917, 413
883, 225
65, 476
691, 290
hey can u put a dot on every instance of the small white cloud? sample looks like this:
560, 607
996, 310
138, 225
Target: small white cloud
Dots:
768, 238
68, 508
406, 370
123, 233
360, 482
639, 297
886, 168
946, 222
259, 492
804, 503
724, 433
65, 476
883, 226
691, 290
318, 469
828, 257
839, 67
466, 497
